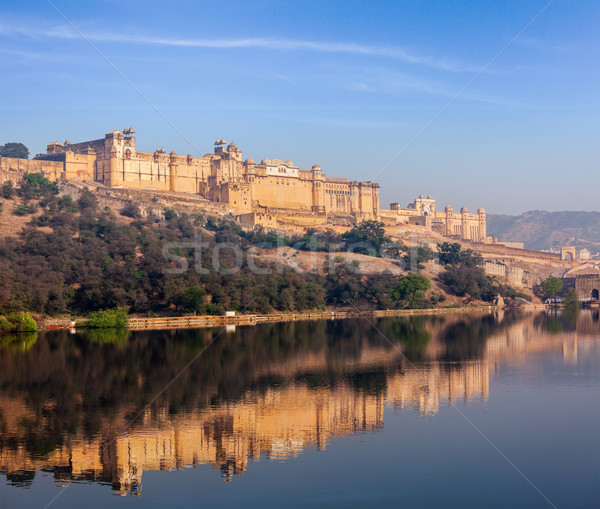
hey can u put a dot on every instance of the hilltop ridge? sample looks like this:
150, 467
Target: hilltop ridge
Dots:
540, 229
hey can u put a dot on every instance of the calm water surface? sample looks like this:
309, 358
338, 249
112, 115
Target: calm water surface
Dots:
307, 414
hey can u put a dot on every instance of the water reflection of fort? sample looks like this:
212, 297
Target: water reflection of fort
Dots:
277, 422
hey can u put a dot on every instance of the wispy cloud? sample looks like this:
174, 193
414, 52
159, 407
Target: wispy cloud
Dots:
276, 44
387, 81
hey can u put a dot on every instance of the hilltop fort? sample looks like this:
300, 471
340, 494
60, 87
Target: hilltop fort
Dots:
273, 193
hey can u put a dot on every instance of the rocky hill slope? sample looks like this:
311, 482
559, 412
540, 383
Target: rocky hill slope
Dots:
539, 229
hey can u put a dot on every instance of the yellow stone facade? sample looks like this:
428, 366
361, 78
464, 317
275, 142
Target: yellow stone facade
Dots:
422, 212
245, 186
273, 193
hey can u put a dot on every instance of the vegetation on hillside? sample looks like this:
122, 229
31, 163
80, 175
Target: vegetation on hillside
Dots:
86, 259
17, 322
465, 277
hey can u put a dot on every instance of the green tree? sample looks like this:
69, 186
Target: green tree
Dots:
18, 322
453, 254
571, 300
36, 185
193, 299
370, 235
107, 318
552, 287
449, 253
410, 290
17, 150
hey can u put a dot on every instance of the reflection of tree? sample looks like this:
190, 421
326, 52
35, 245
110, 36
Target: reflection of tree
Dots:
558, 321
22, 478
106, 336
553, 325
412, 334
89, 381
21, 341
465, 339
372, 382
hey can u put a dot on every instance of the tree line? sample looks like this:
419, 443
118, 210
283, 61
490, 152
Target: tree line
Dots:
76, 257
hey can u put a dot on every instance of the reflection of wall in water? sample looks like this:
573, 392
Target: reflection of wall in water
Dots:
279, 423
528, 337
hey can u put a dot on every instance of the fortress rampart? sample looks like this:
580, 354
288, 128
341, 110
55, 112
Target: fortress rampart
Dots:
274, 193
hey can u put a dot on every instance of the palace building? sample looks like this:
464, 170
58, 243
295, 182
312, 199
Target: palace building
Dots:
274, 193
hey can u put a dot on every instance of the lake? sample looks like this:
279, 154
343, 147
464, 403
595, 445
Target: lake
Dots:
487, 409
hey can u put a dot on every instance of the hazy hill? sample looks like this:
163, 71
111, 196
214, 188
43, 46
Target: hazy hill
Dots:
539, 229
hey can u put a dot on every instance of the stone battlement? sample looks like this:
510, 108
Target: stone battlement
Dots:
258, 193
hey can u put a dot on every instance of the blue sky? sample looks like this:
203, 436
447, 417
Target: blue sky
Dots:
344, 84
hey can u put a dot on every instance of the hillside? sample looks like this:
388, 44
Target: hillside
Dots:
539, 229
67, 251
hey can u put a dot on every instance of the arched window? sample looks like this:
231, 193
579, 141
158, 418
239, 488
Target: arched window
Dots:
595, 295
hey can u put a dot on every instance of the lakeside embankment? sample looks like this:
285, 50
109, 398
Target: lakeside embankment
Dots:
179, 322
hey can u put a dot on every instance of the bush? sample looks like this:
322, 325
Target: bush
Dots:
131, 209
66, 203
22, 210
36, 185
87, 200
7, 190
169, 214
18, 322
106, 318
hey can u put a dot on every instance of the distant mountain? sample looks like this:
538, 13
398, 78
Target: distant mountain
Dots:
539, 229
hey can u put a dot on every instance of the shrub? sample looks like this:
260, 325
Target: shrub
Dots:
22, 210
7, 190
87, 200
169, 214
107, 318
36, 185
131, 209
66, 203
18, 322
